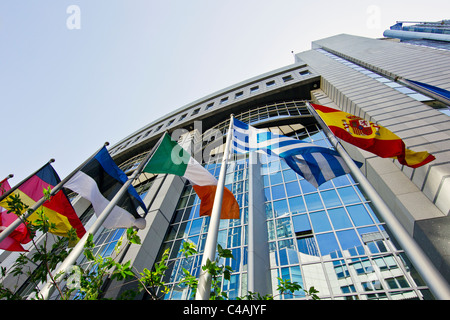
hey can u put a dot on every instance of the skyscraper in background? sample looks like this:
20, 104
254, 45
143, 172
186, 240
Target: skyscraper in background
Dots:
329, 237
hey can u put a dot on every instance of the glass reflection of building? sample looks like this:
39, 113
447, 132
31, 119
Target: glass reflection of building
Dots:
328, 238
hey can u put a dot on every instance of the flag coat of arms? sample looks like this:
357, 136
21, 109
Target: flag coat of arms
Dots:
371, 137
171, 158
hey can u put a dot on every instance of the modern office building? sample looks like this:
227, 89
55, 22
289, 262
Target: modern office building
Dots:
431, 34
331, 237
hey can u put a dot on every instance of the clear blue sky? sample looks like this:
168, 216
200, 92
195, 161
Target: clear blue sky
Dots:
64, 92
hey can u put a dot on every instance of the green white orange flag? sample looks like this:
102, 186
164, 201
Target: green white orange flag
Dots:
171, 158
371, 137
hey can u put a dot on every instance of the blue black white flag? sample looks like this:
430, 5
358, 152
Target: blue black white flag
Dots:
99, 181
315, 163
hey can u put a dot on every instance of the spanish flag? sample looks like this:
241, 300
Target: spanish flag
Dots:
171, 158
58, 209
371, 137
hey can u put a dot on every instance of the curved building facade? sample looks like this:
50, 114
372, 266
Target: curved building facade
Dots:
330, 237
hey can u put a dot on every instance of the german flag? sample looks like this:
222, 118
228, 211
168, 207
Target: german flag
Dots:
58, 209
371, 137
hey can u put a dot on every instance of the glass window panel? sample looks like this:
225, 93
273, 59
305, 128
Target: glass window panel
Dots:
297, 205
292, 189
278, 192
348, 195
402, 282
172, 232
307, 187
182, 202
301, 223
359, 215
183, 229
289, 175
392, 283
292, 255
307, 245
339, 218
266, 180
276, 178
284, 228
222, 238
178, 216
330, 198
320, 221
194, 240
348, 239
196, 227
267, 195
188, 213
283, 257
327, 243
313, 202
280, 207
341, 181
234, 237
269, 211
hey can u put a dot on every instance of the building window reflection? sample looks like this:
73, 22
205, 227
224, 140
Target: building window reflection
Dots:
327, 237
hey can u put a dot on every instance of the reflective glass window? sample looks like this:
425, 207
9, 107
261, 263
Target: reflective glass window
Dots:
313, 202
330, 198
278, 192
327, 243
301, 223
359, 215
292, 189
339, 218
280, 207
297, 205
348, 195
320, 221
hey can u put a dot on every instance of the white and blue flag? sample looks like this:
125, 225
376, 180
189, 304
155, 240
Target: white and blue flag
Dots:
315, 163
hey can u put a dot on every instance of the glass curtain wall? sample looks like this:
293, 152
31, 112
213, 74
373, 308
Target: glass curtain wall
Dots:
329, 237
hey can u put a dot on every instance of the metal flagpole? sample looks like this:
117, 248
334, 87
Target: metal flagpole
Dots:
432, 277
39, 203
79, 247
204, 280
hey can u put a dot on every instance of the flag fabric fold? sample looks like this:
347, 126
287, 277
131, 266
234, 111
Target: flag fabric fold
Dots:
371, 137
98, 181
20, 235
171, 158
58, 209
315, 163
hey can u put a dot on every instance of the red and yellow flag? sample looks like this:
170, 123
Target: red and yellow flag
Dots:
371, 137
58, 209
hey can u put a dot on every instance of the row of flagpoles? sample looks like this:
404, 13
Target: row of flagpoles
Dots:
316, 164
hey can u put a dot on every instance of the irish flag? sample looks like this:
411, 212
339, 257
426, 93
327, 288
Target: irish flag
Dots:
171, 158
371, 137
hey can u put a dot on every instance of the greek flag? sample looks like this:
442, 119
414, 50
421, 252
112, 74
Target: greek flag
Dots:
315, 163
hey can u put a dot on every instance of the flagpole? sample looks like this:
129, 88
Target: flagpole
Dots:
209, 253
79, 247
29, 212
432, 277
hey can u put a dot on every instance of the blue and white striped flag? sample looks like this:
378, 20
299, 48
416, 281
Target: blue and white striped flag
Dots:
315, 163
